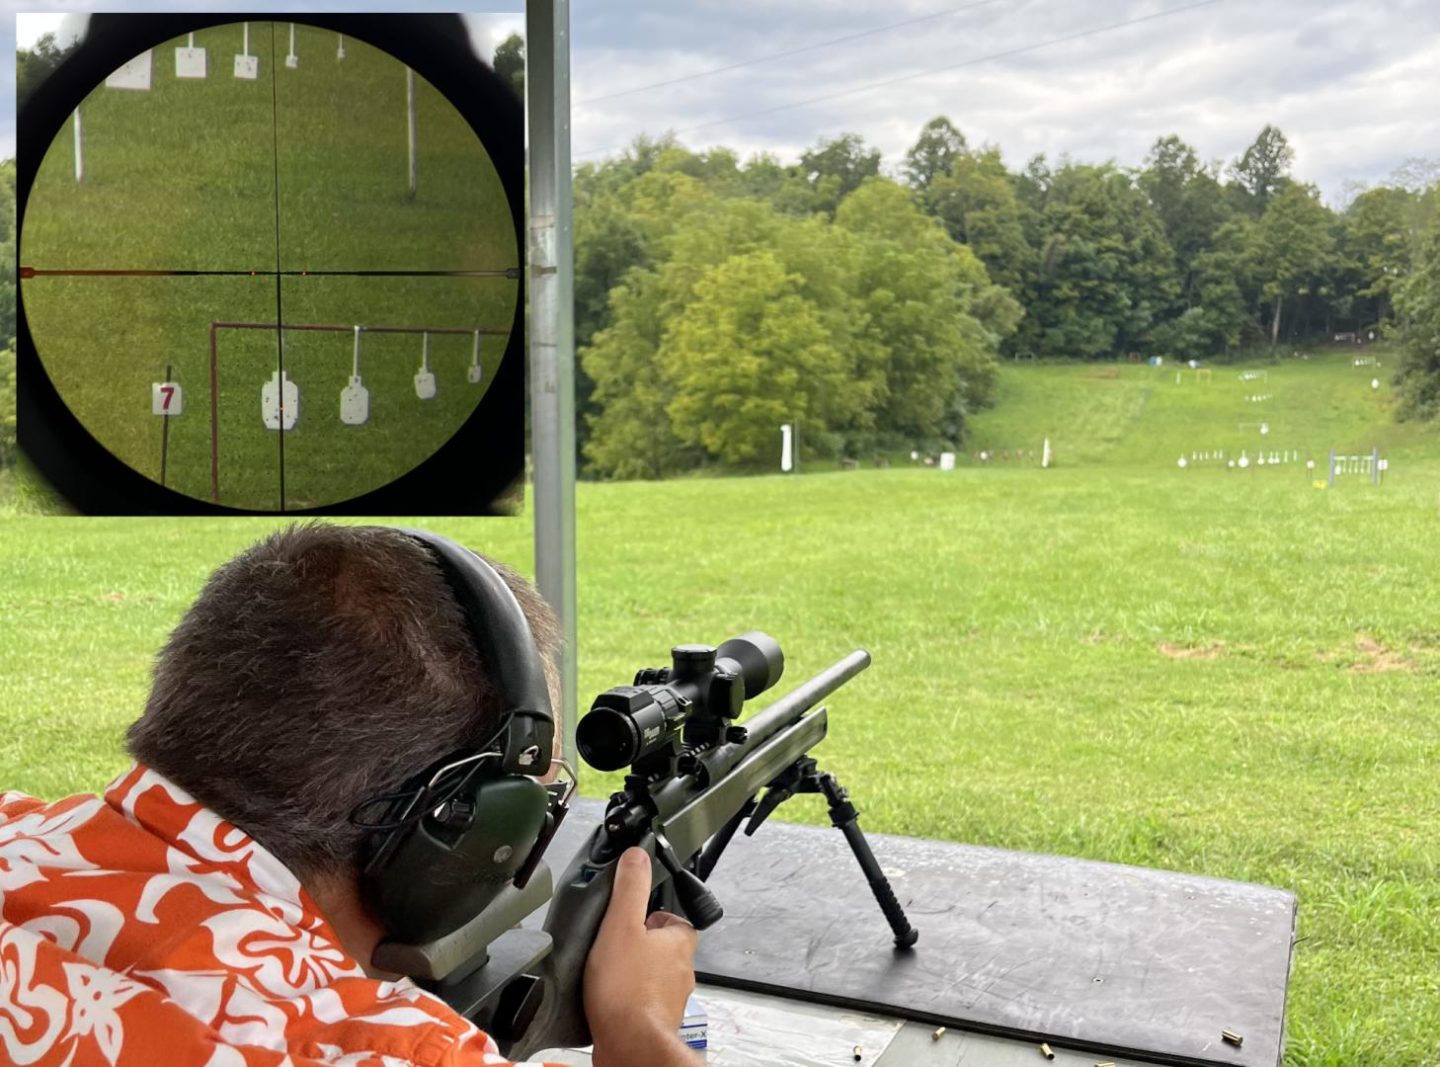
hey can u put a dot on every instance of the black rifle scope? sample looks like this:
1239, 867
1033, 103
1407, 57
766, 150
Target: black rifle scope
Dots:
701, 691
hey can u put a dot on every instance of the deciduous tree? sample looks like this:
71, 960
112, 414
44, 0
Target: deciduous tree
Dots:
1263, 169
1417, 299
1293, 245
933, 154
510, 63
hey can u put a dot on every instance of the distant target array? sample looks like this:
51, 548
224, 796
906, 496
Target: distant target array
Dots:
280, 395
1372, 466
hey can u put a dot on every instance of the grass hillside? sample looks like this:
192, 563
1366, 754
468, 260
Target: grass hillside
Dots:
1134, 415
1234, 675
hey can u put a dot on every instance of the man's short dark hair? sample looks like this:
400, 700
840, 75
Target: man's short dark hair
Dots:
324, 665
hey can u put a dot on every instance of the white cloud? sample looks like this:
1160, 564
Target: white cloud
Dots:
1352, 86
31, 26
487, 32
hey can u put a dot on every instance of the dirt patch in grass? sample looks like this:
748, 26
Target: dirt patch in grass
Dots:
1368, 656
1211, 650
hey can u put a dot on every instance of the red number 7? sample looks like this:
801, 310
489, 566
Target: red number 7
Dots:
169, 391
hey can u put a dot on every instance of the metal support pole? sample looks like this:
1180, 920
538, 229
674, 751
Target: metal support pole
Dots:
552, 328
1332, 468
1375, 465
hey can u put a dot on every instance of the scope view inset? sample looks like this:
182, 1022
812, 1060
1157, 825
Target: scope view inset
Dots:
269, 266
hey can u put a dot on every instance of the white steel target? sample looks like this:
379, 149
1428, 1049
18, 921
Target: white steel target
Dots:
279, 402
246, 65
355, 398
189, 60
424, 380
475, 373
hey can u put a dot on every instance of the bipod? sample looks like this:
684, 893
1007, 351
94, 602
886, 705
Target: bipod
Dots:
803, 776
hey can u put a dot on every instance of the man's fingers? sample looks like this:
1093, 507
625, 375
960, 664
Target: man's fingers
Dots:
676, 929
631, 893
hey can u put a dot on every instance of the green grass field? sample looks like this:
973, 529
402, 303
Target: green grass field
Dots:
1136, 415
1232, 674
192, 175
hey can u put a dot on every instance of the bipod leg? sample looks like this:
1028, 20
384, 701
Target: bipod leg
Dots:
846, 819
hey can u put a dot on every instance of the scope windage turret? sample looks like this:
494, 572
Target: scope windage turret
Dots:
701, 691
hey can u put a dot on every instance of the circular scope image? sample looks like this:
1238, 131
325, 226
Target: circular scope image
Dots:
269, 266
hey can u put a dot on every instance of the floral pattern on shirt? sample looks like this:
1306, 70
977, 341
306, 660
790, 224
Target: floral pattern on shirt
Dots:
141, 929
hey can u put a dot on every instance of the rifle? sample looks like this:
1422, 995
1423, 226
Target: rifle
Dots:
695, 777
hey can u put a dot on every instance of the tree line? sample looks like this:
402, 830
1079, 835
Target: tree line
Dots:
716, 299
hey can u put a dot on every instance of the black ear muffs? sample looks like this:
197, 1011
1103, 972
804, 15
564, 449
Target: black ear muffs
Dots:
501, 635
442, 871
446, 843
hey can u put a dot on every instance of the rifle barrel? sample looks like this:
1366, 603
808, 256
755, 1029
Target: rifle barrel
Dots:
804, 697
715, 763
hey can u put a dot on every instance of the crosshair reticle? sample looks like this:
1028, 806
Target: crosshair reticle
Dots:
269, 266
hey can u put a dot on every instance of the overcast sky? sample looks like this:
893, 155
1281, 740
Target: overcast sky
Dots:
1354, 84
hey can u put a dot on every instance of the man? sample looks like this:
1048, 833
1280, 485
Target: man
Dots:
206, 909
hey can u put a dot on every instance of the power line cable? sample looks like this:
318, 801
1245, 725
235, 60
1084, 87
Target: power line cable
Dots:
1093, 31
792, 52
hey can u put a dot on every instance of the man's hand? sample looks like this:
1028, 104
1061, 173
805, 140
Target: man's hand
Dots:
638, 976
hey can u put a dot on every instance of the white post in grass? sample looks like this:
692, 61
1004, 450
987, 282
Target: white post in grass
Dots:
79, 148
410, 112
787, 460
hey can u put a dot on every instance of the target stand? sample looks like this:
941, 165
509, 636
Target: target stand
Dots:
281, 396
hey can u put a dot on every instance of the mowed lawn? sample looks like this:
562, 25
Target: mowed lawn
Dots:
1231, 674
1239, 680
1134, 415
304, 169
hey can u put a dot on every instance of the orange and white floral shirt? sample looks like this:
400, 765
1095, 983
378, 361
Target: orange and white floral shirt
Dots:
141, 930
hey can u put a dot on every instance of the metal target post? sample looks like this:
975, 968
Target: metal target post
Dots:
410, 122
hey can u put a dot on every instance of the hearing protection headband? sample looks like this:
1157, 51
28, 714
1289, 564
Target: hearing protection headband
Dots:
455, 834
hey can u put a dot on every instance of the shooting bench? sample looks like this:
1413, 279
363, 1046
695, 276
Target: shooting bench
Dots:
1102, 963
